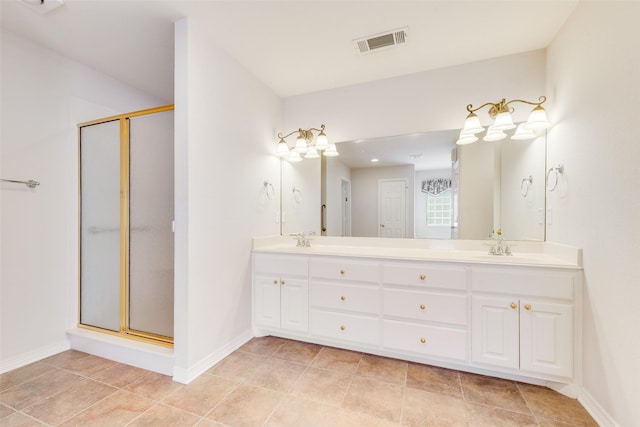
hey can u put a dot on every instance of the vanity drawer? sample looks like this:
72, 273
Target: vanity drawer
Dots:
346, 327
364, 299
426, 306
425, 275
425, 340
540, 283
345, 269
281, 265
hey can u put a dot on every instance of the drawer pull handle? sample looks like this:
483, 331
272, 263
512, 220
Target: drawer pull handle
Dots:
275, 282
514, 305
341, 272
422, 277
527, 307
422, 307
342, 327
342, 298
422, 340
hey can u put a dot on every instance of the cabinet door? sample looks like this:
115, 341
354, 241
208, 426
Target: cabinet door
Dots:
294, 304
267, 300
495, 331
546, 337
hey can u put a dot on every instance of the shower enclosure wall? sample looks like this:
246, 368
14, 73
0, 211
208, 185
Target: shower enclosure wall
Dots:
126, 225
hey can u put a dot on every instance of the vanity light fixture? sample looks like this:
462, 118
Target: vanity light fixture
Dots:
306, 145
501, 113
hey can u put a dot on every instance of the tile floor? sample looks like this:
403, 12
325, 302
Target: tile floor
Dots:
275, 382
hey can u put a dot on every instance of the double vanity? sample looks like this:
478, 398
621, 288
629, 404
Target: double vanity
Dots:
445, 303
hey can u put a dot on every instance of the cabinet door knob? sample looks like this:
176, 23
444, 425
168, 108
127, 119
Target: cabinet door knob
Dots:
342, 272
282, 282
422, 340
422, 307
422, 277
342, 298
527, 307
342, 327
514, 305
275, 282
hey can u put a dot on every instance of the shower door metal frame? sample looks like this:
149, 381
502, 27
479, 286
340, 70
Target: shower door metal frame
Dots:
125, 330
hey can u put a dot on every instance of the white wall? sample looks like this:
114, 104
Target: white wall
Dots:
593, 69
44, 96
427, 101
226, 122
364, 197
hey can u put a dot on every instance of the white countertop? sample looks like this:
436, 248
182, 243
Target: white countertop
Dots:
531, 254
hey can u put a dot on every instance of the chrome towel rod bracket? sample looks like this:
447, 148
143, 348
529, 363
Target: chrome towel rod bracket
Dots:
31, 183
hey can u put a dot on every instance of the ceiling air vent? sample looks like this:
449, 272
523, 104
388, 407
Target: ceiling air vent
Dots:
382, 40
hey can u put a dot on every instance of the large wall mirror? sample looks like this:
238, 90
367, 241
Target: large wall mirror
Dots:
420, 186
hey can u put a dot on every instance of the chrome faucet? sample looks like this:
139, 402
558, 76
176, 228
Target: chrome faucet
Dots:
498, 245
303, 241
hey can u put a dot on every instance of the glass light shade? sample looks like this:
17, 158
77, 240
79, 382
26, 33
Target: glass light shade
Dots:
494, 134
294, 157
282, 149
322, 142
312, 153
466, 138
301, 145
331, 151
503, 122
472, 124
537, 119
523, 133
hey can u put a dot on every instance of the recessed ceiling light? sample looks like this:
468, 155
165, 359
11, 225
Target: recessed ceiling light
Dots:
416, 156
374, 160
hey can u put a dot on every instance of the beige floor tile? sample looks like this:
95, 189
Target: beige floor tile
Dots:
20, 420
423, 408
297, 412
26, 373
322, 386
200, 396
336, 359
547, 422
238, 366
383, 369
5, 411
65, 358
297, 352
246, 406
120, 375
276, 374
164, 416
89, 366
434, 379
154, 386
38, 389
264, 346
204, 422
546, 403
490, 416
69, 402
377, 398
115, 410
493, 392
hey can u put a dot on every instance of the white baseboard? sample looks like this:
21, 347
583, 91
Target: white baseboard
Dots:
599, 414
33, 356
186, 375
135, 353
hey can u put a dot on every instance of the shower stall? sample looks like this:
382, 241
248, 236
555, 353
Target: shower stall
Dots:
126, 225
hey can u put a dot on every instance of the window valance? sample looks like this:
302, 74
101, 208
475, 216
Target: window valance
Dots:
436, 186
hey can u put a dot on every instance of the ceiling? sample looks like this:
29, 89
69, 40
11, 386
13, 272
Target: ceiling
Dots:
294, 47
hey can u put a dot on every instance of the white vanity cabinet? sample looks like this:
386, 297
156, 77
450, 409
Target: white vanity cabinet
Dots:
345, 299
523, 320
281, 292
425, 309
